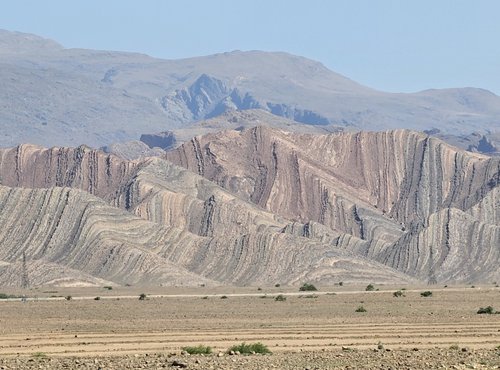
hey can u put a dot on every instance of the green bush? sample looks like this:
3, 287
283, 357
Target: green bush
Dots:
306, 287
486, 310
198, 350
360, 309
280, 298
370, 288
427, 293
249, 349
7, 296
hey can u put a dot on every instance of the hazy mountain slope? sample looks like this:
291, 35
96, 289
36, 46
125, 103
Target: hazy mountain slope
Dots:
57, 96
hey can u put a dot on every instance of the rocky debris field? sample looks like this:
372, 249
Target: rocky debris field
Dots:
346, 358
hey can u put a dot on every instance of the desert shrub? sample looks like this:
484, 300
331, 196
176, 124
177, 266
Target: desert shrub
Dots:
107, 287
398, 294
198, 350
97, 298
341, 283
223, 297
142, 296
427, 293
259, 288
486, 310
68, 298
248, 349
7, 296
306, 287
277, 285
360, 309
370, 288
455, 347
205, 297
280, 298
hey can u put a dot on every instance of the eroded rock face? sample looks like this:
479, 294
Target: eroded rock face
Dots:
83, 168
381, 188
252, 207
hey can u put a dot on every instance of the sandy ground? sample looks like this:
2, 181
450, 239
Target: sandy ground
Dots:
308, 330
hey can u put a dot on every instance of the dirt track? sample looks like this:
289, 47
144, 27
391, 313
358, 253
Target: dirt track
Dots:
320, 324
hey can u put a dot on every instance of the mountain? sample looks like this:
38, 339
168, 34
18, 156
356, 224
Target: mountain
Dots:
149, 222
414, 203
67, 97
258, 206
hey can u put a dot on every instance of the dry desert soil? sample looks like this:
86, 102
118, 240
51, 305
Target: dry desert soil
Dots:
311, 330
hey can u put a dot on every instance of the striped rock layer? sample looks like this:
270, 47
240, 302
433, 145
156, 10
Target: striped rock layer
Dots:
261, 206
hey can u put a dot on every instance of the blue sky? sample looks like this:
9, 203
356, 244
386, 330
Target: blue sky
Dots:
391, 45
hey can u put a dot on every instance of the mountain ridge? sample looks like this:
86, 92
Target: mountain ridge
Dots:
68, 97
259, 206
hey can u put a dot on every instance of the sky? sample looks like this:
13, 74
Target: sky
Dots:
390, 45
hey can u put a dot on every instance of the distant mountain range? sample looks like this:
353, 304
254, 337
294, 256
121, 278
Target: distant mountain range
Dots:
56, 96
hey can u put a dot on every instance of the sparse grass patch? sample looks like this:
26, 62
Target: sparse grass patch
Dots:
307, 287
360, 309
314, 296
39, 355
198, 350
280, 298
370, 288
454, 347
250, 349
427, 293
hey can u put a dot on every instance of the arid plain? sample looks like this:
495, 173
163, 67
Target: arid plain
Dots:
308, 330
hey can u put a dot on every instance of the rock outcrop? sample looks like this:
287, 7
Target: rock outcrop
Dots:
382, 188
258, 206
